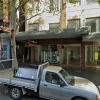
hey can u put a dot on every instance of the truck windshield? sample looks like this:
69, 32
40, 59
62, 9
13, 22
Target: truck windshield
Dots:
66, 76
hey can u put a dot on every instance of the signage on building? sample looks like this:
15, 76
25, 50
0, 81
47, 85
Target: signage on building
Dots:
96, 55
32, 45
5, 29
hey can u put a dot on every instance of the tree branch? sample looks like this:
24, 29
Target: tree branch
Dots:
22, 5
29, 18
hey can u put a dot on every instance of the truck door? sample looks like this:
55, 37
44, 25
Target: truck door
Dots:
51, 87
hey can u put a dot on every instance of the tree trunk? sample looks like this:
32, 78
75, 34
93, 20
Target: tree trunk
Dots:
13, 50
13, 34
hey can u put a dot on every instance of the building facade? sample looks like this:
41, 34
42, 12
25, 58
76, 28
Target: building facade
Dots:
5, 47
67, 50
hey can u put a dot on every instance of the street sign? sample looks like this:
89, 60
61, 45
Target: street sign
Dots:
32, 45
5, 29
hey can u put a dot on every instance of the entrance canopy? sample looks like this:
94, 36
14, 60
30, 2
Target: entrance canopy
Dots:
92, 37
52, 34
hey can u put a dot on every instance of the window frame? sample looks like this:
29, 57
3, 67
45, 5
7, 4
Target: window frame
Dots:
96, 24
36, 29
74, 45
50, 24
58, 76
89, 2
86, 55
72, 21
52, 6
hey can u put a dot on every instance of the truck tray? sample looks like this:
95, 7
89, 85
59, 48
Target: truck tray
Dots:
7, 72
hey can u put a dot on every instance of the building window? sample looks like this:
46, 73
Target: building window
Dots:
6, 24
54, 26
3, 49
92, 56
74, 56
73, 23
94, 24
33, 27
1, 23
50, 53
71, 55
54, 5
91, 1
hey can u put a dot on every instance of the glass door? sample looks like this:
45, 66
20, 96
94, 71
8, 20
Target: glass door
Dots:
64, 55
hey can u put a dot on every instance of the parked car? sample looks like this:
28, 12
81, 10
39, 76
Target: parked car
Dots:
50, 82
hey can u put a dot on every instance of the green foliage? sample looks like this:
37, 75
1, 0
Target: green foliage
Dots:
73, 1
99, 1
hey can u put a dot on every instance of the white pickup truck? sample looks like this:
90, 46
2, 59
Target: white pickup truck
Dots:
50, 82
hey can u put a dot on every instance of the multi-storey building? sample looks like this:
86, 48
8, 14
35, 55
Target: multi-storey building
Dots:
66, 46
4, 38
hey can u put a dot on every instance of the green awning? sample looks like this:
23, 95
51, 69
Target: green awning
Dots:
51, 34
92, 37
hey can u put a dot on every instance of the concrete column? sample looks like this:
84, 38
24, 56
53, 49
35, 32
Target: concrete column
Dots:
63, 19
32, 54
82, 54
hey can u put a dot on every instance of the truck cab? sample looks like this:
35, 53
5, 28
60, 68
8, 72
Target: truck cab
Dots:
57, 84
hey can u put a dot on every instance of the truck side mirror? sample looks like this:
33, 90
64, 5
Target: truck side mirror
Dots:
62, 84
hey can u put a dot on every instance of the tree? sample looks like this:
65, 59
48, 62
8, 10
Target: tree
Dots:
12, 7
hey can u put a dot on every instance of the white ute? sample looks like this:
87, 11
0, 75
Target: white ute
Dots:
50, 82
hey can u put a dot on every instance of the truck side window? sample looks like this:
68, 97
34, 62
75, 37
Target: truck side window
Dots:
53, 78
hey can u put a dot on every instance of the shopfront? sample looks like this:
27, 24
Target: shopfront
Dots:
65, 48
92, 55
66, 55
47, 53
71, 55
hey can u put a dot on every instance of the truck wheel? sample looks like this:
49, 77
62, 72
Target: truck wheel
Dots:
15, 93
79, 99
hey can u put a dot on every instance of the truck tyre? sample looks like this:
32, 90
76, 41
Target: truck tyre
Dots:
15, 93
79, 99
